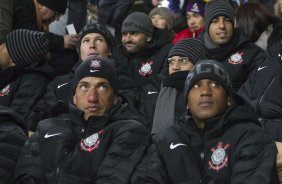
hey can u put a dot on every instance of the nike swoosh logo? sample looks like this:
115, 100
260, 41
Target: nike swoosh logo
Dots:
51, 135
260, 68
173, 146
93, 71
61, 85
152, 92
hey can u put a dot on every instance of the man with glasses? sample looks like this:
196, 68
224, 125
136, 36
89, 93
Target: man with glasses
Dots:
170, 103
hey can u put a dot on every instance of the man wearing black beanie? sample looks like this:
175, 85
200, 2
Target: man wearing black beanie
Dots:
170, 103
249, 67
93, 39
100, 140
23, 72
218, 141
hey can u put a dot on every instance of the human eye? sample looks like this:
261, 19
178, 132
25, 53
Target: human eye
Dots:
104, 87
99, 40
215, 84
214, 20
170, 61
85, 40
184, 60
83, 86
196, 85
227, 20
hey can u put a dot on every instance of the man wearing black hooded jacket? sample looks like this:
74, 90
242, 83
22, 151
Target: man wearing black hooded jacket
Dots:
141, 61
100, 140
241, 58
220, 141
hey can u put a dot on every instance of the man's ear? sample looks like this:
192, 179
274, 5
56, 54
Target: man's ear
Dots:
73, 99
115, 99
229, 101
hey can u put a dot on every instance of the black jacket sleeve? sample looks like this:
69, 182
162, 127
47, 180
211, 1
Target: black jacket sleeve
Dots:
12, 138
30, 90
29, 167
150, 169
125, 152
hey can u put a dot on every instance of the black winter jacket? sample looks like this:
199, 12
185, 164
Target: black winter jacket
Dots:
104, 149
232, 148
22, 88
140, 75
240, 57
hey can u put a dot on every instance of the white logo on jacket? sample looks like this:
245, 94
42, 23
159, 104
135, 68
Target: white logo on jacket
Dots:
173, 146
146, 68
219, 158
236, 58
91, 143
5, 91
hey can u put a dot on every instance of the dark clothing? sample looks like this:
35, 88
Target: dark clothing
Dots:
142, 73
274, 47
153, 56
21, 88
58, 91
170, 106
12, 137
266, 99
77, 11
232, 148
113, 12
105, 149
269, 108
240, 57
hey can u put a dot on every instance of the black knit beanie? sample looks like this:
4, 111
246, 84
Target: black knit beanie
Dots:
26, 47
208, 69
215, 8
193, 48
138, 22
96, 66
55, 5
96, 28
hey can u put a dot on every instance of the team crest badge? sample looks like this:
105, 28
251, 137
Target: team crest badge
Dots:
91, 143
236, 58
219, 158
146, 68
5, 91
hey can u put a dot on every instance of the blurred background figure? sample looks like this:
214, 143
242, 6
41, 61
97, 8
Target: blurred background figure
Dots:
163, 18
261, 26
195, 20
278, 7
